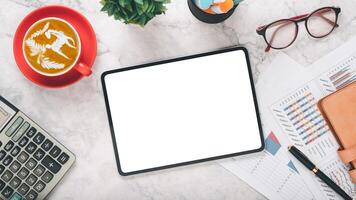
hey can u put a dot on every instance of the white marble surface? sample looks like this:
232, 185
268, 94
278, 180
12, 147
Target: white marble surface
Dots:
77, 117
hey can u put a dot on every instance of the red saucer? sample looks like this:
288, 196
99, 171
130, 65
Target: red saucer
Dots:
86, 34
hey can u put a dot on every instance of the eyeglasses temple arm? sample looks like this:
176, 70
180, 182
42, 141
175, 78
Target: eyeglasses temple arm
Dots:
326, 19
299, 17
320, 14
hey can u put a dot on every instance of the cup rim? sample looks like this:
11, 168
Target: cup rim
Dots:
69, 68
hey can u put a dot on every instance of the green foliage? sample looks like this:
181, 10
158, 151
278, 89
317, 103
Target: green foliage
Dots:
134, 11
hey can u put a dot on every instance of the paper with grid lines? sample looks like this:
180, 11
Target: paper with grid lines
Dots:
298, 118
272, 172
294, 119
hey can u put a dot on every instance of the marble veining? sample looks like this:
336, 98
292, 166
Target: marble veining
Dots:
77, 117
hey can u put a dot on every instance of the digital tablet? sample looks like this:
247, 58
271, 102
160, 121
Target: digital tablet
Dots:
182, 111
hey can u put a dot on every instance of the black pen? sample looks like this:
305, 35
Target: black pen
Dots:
308, 164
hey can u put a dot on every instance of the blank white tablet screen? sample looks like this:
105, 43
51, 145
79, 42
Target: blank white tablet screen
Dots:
183, 111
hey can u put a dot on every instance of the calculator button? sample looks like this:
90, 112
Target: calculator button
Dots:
47, 177
31, 180
2, 184
23, 189
51, 164
16, 196
2, 154
39, 154
15, 151
39, 186
31, 147
15, 166
15, 182
31, 132
31, 164
32, 195
23, 141
9, 146
2, 168
23, 157
7, 160
7, 192
7, 176
39, 170
47, 145
55, 151
38, 139
21, 131
63, 158
14, 126
23, 173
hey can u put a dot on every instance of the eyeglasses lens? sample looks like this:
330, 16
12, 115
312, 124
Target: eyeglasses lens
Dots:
321, 22
281, 33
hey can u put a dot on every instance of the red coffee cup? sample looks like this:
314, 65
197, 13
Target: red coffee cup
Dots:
87, 53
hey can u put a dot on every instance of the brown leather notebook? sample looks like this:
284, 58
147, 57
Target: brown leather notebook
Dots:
339, 110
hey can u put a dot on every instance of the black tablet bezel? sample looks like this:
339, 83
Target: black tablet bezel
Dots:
175, 60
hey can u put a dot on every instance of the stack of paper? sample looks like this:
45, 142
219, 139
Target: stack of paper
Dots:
287, 95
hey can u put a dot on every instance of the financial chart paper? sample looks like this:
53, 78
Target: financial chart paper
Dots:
289, 97
272, 172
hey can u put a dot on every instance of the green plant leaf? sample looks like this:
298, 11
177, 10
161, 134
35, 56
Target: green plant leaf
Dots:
111, 9
122, 3
139, 2
145, 6
138, 12
105, 7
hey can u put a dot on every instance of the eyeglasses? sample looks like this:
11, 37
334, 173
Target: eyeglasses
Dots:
282, 33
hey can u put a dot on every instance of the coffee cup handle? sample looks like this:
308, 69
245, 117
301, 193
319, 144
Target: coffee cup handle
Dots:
84, 69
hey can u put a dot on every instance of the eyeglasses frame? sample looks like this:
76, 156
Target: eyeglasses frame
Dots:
296, 20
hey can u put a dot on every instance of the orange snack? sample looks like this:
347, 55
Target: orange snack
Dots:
209, 10
223, 7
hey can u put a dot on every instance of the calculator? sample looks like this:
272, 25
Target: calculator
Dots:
32, 162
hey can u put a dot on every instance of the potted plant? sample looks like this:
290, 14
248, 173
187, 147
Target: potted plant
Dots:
134, 11
212, 11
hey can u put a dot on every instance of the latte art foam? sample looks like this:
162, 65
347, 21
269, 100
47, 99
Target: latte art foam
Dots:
51, 46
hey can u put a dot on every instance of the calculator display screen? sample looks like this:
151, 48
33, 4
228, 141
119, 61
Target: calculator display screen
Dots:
6, 114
